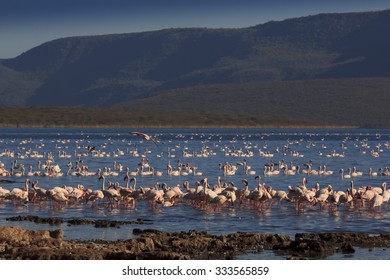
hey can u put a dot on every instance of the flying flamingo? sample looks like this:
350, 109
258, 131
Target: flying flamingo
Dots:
145, 136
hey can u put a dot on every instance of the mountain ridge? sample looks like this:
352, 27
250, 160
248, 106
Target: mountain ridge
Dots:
127, 69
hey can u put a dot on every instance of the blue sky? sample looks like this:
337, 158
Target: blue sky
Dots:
28, 23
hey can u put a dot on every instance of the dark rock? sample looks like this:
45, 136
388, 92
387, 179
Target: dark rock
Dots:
347, 248
17, 243
59, 233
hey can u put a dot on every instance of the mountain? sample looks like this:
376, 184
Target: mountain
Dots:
130, 69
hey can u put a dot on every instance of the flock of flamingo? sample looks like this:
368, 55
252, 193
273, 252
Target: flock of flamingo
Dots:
118, 185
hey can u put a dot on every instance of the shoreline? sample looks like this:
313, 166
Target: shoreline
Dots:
64, 117
21, 126
21, 244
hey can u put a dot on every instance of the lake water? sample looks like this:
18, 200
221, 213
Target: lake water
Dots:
296, 147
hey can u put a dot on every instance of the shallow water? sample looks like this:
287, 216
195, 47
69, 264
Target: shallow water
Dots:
354, 146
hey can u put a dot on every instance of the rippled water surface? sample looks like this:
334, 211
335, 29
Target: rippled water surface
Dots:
295, 147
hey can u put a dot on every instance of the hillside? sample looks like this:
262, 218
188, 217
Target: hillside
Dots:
359, 102
327, 62
318, 103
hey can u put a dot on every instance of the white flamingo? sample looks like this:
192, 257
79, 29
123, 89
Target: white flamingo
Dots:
21, 194
58, 195
40, 193
386, 193
94, 196
154, 195
4, 193
112, 195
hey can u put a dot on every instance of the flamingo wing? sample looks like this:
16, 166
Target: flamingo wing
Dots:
145, 136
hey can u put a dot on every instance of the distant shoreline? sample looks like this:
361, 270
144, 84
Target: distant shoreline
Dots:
185, 127
188, 127
88, 117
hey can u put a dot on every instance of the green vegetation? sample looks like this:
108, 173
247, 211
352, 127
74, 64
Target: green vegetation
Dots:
97, 117
315, 103
332, 102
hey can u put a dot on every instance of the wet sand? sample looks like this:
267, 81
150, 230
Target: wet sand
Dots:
18, 243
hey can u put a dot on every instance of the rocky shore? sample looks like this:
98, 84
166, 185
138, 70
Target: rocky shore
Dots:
18, 243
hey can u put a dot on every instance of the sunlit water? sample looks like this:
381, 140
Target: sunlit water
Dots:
296, 146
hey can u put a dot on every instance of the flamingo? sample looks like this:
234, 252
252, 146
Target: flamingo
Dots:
356, 173
327, 190
209, 194
177, 190
125, 192
288, 171
148, 172
326, 172
112, 173
145, 136
90, 149
230, 193
170, 194
368, 195
243, 194
110, 194
345, 176
257, 195
77, 193
322, 199
203, 194
377, 201
336, 196
19, 194
154, 195
94, 196
4, 193
168, 203
135, 194
40, 193
196, 173
191, 193
343, 198
386, 193
372, 173
279, 195
186, 185
294, 194
134, 173
266, 197
303, 199
314, 191
217, 188
303, 185
352, 189
218, 201
58, 195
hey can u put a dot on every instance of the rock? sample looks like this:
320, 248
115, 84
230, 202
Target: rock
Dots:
347, 248
57, 234
18, 243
